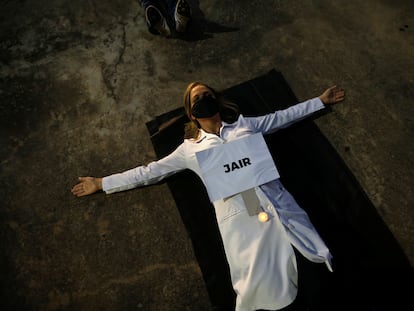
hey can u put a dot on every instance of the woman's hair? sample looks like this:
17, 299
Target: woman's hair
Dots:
229, 112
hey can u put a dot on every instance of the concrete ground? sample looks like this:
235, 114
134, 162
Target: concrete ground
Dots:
78, 82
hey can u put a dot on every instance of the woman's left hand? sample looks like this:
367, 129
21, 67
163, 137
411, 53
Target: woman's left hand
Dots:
332, 95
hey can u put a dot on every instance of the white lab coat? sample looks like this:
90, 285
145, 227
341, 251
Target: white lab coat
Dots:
260, 255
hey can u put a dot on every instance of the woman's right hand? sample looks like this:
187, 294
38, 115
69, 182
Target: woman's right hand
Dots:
86, 186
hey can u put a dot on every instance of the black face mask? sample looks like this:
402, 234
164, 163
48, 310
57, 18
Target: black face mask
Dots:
205, 107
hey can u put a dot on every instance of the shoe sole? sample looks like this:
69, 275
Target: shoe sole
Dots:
182, 15
157, 21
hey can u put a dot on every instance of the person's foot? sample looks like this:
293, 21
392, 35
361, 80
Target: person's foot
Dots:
182, 15
156, 21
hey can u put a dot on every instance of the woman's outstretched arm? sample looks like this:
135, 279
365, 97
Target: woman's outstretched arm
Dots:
139, 176
283, 118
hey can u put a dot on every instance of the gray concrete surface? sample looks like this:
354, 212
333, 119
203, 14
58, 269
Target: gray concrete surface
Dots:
78, 82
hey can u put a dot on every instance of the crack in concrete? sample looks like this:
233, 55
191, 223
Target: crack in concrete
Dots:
110, 71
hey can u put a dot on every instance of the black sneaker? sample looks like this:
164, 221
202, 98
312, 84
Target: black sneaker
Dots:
156, 21
182, 15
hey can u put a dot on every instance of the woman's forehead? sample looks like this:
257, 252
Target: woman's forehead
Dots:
199, 89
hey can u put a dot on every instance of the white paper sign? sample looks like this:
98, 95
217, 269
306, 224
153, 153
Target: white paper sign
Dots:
236, 166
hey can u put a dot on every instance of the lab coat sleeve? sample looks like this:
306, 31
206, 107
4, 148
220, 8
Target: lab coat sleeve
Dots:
146, 174
283, 118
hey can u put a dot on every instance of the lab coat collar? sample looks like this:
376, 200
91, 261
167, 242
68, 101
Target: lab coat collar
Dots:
205, 135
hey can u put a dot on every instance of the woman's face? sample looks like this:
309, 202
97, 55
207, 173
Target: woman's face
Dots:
203, 103
198, 92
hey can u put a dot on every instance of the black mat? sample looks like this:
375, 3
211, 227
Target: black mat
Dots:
371, 271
